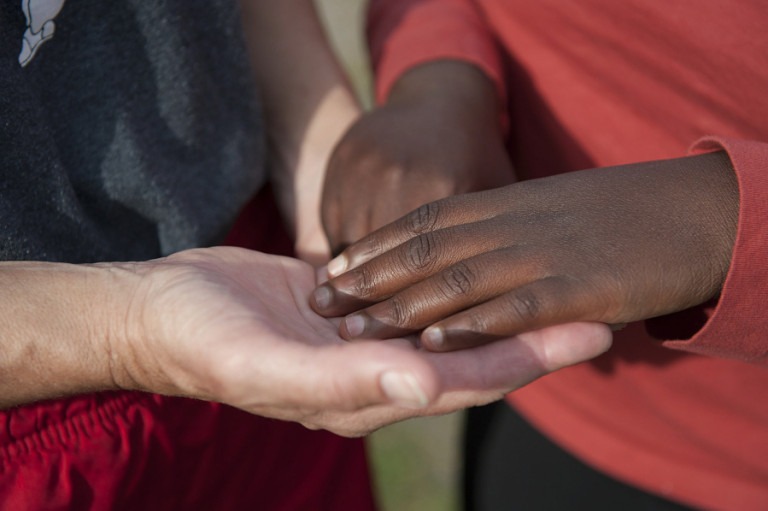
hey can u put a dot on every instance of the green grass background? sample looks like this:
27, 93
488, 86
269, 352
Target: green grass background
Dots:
415, 463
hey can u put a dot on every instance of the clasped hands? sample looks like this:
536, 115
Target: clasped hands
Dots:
475, 295
539, 268
235, 326
535, 271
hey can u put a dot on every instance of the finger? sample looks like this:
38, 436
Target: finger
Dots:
481, 375
321, 275
512, 362
466, 283
430, 217
331, 217
353, 376
539, 304
412, 261
312, 247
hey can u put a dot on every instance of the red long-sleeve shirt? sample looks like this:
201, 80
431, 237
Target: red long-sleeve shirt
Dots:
677, 406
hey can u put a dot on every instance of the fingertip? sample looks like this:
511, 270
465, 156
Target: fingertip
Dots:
403, 389
401, 375
599, 336
322, 298
572, 343
337, 265
353, 326
433, 338
603, 336
410, 380
364, 324
451, 335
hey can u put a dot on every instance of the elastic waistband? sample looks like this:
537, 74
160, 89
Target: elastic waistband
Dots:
54, 424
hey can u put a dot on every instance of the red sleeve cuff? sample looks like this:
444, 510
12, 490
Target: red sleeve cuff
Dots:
405, 33
736, 325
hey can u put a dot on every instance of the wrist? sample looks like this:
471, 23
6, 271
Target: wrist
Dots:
60, 324
122, 335
451, 86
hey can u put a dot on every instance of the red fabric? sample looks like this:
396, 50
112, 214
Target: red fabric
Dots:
137, 451
598, 83
457, 24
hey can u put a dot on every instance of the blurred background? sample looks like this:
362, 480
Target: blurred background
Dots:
415, 463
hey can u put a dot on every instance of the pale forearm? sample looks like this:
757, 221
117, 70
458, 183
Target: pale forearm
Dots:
308, 106
56, 329
295, 68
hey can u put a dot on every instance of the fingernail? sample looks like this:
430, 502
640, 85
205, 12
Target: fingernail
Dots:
403, 390
355, 325
433, 337
337, 265
322, 297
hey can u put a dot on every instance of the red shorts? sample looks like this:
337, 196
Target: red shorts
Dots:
137, 451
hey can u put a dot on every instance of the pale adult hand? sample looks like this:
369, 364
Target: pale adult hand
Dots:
234, 326
481, 375
612, 245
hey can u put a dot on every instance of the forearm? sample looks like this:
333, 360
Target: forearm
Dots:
56, 328
295, 68
308, 103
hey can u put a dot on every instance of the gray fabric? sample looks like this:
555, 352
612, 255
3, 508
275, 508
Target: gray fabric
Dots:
133, 132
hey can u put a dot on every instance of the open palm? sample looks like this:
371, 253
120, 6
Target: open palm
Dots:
234, 326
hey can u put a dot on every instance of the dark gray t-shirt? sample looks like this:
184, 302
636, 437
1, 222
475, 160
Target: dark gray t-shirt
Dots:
128, 130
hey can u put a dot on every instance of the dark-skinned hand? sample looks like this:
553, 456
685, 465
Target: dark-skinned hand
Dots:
610, 245
438, 135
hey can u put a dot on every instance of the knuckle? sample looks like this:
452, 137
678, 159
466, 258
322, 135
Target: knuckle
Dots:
400, 312
459, 279
476, 322
371, 246
525, 305
364, 283
392, 175
422, 251
361, 250
336, 394
423, 219
341, 396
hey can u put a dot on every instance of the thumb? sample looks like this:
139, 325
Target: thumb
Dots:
564, 345
511, 363
365, 373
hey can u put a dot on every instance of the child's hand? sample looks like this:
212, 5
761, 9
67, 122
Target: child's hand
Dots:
438, 135
612, 245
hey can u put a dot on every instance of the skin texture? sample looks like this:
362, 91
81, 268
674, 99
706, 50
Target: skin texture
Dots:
234, 326
408, 152
308, 106
611, 245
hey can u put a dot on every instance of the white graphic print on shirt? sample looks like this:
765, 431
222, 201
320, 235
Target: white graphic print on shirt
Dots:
40, 26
